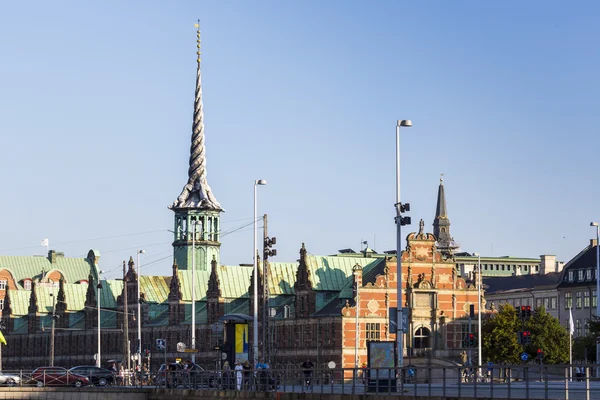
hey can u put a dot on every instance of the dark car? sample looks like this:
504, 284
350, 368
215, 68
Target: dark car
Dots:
96, 375
174, 375
57, 376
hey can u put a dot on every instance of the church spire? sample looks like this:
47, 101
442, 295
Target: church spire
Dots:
196, 194
441, 223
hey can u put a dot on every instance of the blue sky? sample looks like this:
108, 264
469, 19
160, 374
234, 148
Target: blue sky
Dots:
96, 106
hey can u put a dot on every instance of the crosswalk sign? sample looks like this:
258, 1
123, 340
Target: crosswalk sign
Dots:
161, 344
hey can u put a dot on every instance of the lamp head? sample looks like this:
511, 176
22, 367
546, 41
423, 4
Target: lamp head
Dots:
260, 182
405, 122
141, 251
476, 254
593, 224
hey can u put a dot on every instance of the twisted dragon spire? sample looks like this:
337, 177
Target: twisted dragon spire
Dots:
197, 193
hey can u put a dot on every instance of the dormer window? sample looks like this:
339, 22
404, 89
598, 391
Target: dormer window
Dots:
570, 276
27, 284
589, 274
3, 283
580, 275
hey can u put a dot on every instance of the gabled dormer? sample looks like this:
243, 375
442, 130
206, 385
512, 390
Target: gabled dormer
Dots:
91, 312
306, 298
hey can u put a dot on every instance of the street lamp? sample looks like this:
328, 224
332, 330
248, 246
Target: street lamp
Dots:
53, 326
193, 223
399, 222
479, 281
139, 313
597, 288
99, 287
258, 182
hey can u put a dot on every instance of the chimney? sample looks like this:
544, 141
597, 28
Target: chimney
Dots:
547, 264
52, 256
593, 242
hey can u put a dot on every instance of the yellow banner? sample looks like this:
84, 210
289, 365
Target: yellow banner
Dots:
241, 339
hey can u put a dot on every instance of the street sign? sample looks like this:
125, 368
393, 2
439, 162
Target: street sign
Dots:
524, 356
161, 344
490, 364
190, 351
393, 315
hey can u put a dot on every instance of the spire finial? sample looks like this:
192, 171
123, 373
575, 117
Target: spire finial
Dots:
197, 193
441, 178
198, 52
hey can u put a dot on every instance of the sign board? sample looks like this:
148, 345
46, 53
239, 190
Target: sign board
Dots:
524, 356
382, 356
191, 350
393, 315
490, 364
178, 360
161, 344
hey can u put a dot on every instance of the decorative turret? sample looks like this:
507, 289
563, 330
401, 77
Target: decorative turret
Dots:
61, 306
33, 321
197, 209
305, 303
214, 298
7, 312
176, 306
91, 313
441, 225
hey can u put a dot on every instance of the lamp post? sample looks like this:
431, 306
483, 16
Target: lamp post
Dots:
53, 326
193, 224
399, 328
597, 289
99, 288
258, 182
479, 281
139, 313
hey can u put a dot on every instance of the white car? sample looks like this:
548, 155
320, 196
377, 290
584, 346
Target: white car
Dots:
9, 379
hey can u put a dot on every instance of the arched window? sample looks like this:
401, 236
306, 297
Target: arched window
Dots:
422, 338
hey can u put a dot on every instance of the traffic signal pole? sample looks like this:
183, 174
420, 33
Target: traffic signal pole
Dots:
470, 346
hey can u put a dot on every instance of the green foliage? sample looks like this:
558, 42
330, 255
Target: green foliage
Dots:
501, 337
584, 348
594, 326
548, 335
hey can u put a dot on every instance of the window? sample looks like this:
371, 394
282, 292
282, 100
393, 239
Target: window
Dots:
594, 298
586, 299
589, 274
580, 275
372, 331
570, 276
538, 302
422, 338
537, 268
1, 304
27, 284
586, 328
3, 283
553, 302
547, 303
578, 299
578, 328
568, 300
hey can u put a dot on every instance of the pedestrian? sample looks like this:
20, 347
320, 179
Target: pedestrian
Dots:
247, 374
239, 374
226, 375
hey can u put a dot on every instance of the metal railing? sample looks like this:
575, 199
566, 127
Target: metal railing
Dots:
527, 381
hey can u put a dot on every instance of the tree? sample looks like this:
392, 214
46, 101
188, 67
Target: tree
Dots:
500, 336
549, 336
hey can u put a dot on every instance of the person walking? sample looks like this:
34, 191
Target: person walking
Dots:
239, 374
226, 375
247, 374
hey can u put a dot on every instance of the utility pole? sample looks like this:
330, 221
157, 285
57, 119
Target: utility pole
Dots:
126, 348
267, 252
52, 330
265, 319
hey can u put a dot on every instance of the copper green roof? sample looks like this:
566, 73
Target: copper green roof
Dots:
155, 288
235, 280
21, 267
19, 302
111, 289
332, 273
185, 277
282, 278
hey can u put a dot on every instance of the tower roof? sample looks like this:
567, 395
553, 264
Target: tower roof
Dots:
196, 193
440, 211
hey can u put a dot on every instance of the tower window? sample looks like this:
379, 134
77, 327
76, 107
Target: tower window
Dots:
27, 284
3, 284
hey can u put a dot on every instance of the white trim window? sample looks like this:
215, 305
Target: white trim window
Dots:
3, 284
27, 284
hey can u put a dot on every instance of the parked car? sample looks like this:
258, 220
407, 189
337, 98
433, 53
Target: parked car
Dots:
174, 375
9, 379
96, 375
57, 376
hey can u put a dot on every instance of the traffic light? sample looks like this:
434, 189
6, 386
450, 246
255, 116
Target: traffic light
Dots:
525, 337
269, 252
525, 312
540, 354
471, 340
402, 208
